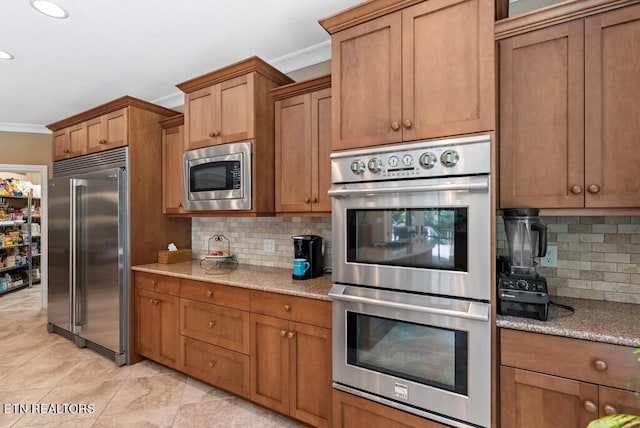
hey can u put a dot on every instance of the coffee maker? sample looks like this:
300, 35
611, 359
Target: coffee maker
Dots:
521, 290
309, 247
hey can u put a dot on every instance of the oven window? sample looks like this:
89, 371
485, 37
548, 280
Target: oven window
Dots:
429, 238
428, 355
208, 177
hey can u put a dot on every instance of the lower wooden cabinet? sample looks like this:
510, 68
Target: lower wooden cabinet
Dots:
291, 368
156, 327
350, 411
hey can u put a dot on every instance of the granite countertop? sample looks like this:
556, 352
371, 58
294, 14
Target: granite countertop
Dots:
276, 280
608, 322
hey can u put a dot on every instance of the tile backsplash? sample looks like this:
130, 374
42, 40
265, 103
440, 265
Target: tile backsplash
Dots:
598, 257
247, 237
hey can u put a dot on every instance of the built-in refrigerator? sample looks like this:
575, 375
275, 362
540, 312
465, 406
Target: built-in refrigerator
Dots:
88, 252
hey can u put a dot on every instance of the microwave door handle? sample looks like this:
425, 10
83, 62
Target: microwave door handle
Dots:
342, 192
476, 311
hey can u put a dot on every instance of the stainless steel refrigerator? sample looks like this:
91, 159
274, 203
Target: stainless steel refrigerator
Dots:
88, 252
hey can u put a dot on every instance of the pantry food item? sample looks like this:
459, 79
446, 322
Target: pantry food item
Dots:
218, 253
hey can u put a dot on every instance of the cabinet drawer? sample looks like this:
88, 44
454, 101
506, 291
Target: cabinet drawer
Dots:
158, 283
223, 295
225, 369
301, 309
595, 362
217, 325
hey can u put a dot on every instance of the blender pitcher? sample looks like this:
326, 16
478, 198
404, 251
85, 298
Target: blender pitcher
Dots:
526, 237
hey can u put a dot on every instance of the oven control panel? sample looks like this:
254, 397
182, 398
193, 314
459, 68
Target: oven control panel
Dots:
460, 156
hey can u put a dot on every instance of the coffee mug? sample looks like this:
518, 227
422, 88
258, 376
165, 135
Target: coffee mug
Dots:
300, 266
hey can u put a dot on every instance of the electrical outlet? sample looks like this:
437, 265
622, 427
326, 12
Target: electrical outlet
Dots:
551, 258
269, 246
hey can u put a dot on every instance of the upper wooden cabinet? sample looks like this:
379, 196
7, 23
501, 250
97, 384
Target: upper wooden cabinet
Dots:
231, 104
568, 133
172, 164
70, 142
412, 70
303, 146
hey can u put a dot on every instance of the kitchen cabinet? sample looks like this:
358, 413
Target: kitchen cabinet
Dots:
70, 142
156, 318
172, 165
568, 133
557, 381
355, 412
291, 360
231, 104
303, 146
411, 71
108, 131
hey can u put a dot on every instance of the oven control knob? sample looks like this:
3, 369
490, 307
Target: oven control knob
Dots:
375, 165
428, 160
449, 158
407, 160
357, 167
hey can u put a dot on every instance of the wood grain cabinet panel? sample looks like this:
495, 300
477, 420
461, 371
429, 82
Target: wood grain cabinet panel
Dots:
218, 294
156, 330
158, 283
421, 72
70, 142
108, 131
294, 308
303, 147
60, 141
172, 165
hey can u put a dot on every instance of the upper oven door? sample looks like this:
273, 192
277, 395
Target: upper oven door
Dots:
426, 235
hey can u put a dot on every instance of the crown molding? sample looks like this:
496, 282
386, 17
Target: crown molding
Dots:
303, 58
171, 101
24, 128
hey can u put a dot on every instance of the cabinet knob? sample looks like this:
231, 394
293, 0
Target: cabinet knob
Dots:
287, 308
600, 365
590, 406
179, 204
314, 200
407, 123
212, 363
212, 323
307, 200
609, 410
576, 190
151, 301
291, 335
154, 282
212, 134
395, 126
593, 188
283, 333
209, 293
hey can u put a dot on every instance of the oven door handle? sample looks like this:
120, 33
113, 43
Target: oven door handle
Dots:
344, 192
476, 311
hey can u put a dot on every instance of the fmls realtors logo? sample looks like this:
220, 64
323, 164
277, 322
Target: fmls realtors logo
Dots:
43, 408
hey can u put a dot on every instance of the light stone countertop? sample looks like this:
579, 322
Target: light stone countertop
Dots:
599, 321
276, 280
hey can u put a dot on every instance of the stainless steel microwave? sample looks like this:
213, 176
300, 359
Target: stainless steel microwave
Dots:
218, 177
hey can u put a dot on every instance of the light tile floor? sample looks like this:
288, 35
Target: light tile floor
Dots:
38, 367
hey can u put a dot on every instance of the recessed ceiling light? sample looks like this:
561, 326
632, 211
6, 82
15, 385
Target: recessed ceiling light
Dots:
5, 55
49, 8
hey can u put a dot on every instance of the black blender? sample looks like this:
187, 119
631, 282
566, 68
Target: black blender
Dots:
521, 290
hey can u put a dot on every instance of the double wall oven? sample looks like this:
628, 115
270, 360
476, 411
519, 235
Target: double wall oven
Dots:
412, 266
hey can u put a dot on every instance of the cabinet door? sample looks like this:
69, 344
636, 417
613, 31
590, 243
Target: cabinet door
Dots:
157, 327
95, 135
448, 68
310, 383
616, 401
147, 331
200, 118
534, 400
235, 109
270, 362
116, 128
77, 140
320, 150
541, 118
60, 144
293, 154
367, 83
612, 131
172, 175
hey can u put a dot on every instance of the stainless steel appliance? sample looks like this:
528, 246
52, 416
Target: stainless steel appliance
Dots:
309, 248
218, 177
412, 273
88, 252
521, 290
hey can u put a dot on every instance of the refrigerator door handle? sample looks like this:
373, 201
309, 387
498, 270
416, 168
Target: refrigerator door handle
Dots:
77, 248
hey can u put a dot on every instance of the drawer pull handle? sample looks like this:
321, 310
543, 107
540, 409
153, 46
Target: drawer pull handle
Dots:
287, 308
209, 293
154, 282
212, 323
590, 406
212, 363
283, 333
600, 365
609, 410
291, 335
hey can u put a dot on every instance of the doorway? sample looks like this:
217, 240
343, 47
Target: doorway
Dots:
38, 172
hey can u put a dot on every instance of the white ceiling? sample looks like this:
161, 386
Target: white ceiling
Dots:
109, 48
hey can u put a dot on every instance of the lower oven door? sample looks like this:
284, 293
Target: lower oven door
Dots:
426, 355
